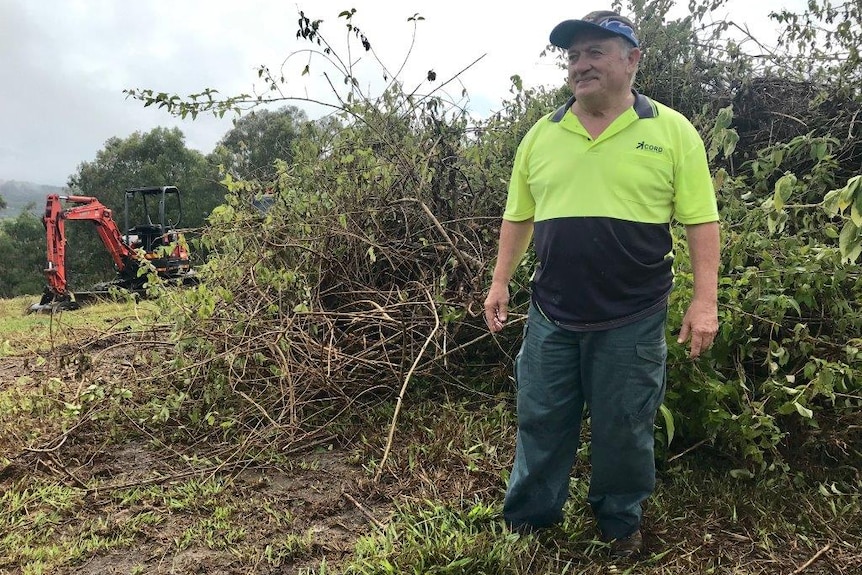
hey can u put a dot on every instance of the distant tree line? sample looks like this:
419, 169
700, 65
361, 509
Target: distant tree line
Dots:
158, 157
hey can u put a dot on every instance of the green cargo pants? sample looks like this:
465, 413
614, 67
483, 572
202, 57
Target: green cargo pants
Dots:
620, 375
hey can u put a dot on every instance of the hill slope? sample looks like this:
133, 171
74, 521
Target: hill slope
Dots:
19, 195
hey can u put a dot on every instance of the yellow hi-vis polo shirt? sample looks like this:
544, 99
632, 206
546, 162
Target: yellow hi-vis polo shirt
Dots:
602, 210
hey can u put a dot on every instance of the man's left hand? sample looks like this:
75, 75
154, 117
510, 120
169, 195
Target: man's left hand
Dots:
700, 324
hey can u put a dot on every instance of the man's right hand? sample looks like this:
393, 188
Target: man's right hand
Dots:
497, 306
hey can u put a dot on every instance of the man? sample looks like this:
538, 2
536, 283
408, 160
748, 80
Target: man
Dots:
597, 182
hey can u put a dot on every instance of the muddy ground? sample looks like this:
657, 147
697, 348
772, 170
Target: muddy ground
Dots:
312, 504
102, 494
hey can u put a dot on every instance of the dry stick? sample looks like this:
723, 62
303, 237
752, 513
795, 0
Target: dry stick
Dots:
164, 478
509, 321
441, 229
65, 470
852, 123
404, 387
364, 511
59, 440
51, 332
690, 449
138, 343
813, 559
63, 439
258, 406
290, 386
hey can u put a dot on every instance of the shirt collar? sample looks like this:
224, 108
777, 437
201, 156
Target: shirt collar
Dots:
643, 107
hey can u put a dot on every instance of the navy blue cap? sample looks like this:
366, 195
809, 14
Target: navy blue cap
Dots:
612, 23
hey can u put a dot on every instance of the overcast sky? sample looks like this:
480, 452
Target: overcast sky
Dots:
64, 63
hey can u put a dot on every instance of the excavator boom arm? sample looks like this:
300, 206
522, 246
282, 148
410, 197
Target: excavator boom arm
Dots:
89, 209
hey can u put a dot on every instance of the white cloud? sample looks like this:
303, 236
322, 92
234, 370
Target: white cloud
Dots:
65, 63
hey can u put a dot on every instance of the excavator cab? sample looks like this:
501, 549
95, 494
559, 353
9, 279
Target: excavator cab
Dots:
157, 211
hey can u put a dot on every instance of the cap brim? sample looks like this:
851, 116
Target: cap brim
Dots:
565, 32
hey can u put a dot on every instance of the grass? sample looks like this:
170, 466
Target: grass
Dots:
120, 495
700, 520
48, 525
23, 333
55, 532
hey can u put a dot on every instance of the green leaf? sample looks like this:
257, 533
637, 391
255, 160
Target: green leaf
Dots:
795, 305
856, 211
724, 118
718, 179
772, 222
855, 216
803, 411
783, 190
848, 240
830, 202
731, 138
668, 422
818, 151
846, 197
778, 157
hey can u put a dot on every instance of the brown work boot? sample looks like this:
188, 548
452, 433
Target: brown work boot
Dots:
627, 546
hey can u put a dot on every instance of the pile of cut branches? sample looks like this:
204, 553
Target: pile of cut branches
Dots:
357, 278
360, 270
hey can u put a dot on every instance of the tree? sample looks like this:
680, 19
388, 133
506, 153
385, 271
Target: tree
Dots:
22, 240
156, 158
257, 140
159, 157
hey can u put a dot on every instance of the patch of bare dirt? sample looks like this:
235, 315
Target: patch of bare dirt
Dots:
279, 518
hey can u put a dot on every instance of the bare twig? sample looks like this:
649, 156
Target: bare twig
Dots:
59, 444
53, 457
689, 450
816, 556
404, 387
364, 511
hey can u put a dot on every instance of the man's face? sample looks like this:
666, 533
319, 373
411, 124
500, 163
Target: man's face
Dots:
601, 67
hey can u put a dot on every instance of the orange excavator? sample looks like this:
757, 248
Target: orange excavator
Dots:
155, 240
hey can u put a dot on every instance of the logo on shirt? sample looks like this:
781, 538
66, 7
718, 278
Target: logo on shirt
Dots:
649, 147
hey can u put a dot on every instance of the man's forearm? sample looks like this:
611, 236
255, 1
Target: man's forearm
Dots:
514, 240
703, 247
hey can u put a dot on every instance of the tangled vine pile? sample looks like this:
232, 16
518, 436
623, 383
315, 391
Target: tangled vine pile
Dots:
361, 268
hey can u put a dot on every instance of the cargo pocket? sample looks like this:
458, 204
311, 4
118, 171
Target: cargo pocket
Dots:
646, 385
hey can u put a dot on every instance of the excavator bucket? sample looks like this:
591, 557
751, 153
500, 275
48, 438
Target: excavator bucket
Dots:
52, 303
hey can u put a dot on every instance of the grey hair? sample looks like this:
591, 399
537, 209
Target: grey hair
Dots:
626, 48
